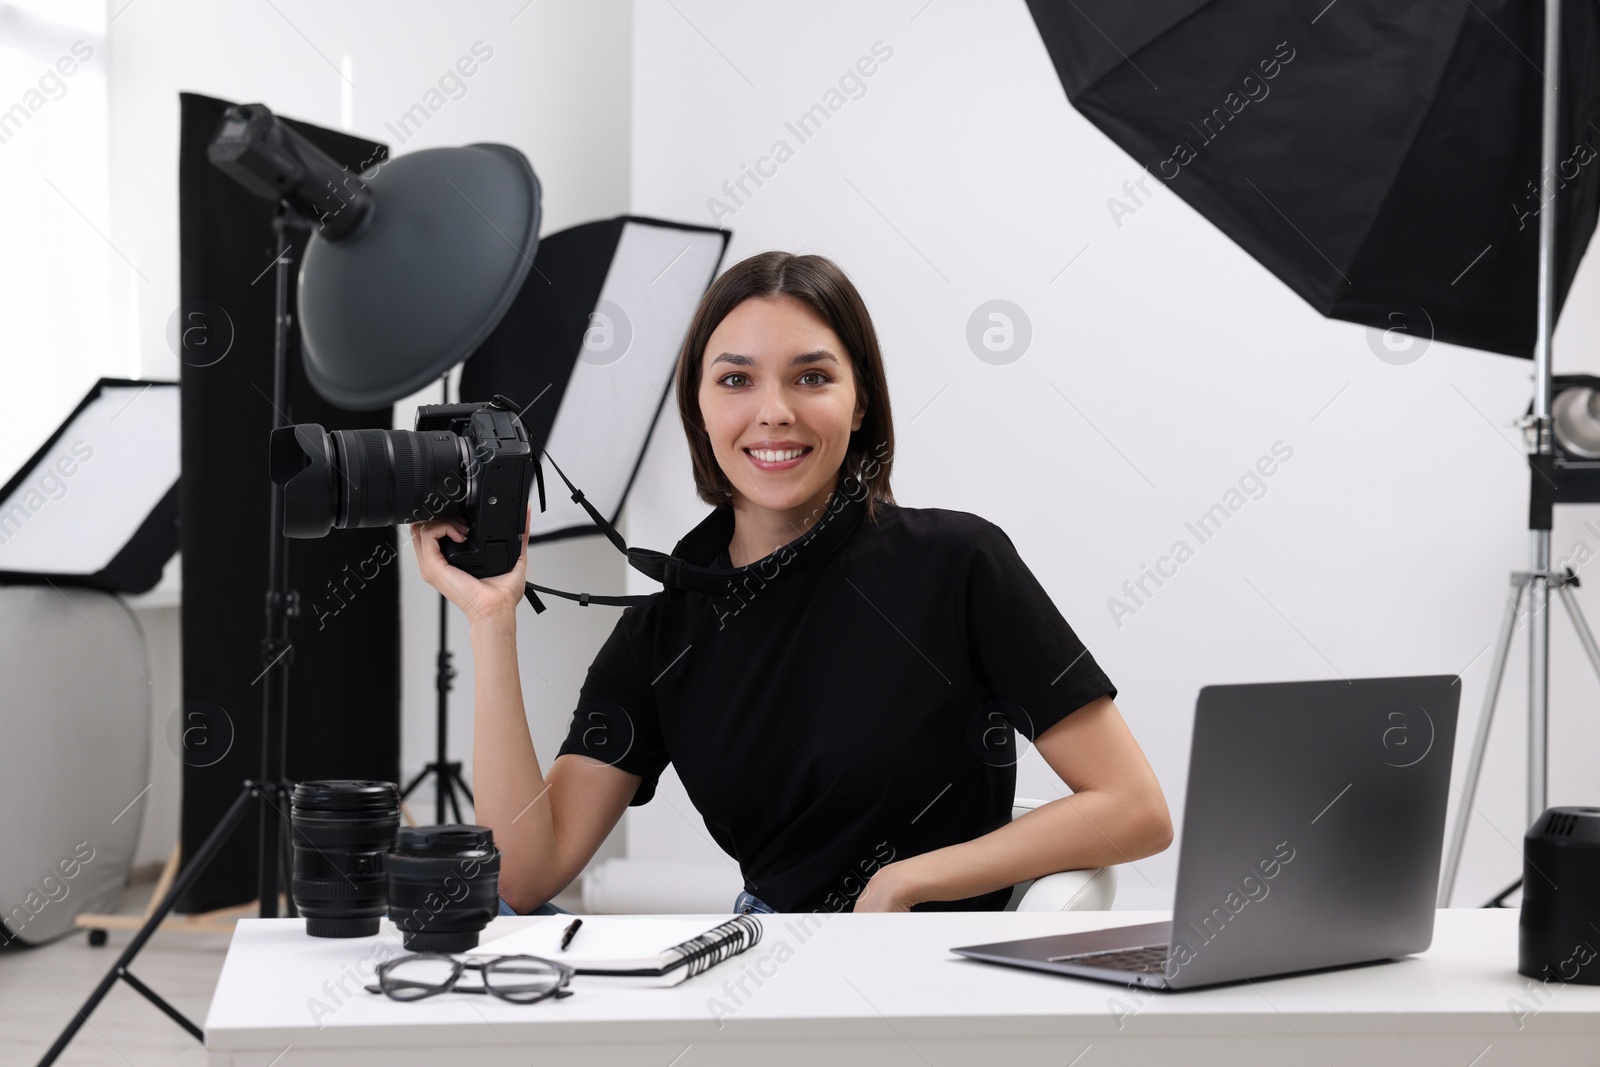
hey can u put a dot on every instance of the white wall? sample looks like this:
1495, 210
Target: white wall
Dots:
557, 86
57, 275
1163, 363
961, 176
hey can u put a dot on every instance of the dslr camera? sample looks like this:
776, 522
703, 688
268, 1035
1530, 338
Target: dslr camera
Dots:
463, 461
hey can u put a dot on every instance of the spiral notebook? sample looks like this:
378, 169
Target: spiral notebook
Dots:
631, 949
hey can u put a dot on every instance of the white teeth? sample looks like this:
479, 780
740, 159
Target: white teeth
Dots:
772, 456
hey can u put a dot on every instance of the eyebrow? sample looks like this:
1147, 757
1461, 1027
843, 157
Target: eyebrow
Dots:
819, 356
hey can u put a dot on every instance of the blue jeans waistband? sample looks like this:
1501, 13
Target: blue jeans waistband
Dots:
546, 908
747, 902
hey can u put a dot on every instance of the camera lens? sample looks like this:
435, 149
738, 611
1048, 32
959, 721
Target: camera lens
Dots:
444, 886
362, 478
400, 476
341, 830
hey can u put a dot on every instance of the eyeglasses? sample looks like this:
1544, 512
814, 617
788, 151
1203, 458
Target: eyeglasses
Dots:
518, 979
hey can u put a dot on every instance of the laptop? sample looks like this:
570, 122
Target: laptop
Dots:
1312, 830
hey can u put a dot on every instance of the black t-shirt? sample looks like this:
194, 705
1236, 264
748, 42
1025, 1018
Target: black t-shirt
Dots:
851, 700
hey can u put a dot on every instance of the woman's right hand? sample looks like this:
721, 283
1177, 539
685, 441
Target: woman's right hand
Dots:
492, 599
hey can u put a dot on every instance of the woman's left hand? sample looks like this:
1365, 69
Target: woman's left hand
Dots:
890, 889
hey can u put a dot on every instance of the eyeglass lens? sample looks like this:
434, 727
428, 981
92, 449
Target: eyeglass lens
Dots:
520, 978
415, 977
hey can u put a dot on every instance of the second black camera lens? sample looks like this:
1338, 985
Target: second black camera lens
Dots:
444, 886
341, 830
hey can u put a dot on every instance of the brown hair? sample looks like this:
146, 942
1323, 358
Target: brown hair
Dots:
817, 282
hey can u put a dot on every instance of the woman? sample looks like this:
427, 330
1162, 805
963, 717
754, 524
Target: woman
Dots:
844, 719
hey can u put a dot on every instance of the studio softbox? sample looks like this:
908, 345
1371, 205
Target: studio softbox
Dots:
97, 504
1381, 159
590, 346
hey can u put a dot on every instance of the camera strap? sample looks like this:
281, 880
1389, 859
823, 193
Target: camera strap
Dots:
677, 576
673, 573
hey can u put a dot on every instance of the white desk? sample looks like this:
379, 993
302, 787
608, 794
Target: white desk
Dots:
884, 989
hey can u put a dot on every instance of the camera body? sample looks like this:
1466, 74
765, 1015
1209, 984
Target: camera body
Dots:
471, 462
498, 471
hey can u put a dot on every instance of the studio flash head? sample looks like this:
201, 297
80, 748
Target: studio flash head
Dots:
273, 161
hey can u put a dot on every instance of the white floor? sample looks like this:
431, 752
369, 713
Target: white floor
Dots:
41, 988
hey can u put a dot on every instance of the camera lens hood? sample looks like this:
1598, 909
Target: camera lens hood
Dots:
300, 462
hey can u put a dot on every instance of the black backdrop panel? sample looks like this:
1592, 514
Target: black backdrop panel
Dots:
344, 681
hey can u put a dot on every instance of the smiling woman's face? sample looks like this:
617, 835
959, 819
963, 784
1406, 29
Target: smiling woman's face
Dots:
775, 375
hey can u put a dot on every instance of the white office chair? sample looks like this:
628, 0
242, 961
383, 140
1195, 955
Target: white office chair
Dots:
1091, 889
620, 886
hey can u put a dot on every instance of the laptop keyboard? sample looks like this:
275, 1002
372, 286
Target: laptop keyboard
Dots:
1145, 958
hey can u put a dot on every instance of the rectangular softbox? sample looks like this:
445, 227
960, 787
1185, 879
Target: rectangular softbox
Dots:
590, 346
97, 504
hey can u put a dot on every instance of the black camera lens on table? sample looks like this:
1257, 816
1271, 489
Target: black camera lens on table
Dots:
444, 886
342, 829
472, 462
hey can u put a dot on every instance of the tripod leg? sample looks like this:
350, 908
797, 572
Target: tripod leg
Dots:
443, 675
1580, 624
447, 782
161, 1002
1538, 746
1499, 899
1458, 834
196, 867
286, 862
412, 785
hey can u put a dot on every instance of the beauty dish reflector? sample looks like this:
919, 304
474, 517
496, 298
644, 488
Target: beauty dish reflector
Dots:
426, 276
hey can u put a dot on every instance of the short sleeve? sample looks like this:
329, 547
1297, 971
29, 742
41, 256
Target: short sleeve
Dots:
1022, 649
615, 721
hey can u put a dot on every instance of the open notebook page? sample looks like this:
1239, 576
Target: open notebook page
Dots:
603, 942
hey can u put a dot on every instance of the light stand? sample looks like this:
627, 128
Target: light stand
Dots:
387, 301
272, 788
1539, 579
447, 772
282, 605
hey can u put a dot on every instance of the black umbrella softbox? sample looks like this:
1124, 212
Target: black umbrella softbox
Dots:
1375, 156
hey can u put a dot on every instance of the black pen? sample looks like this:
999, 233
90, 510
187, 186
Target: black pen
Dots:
566, 936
